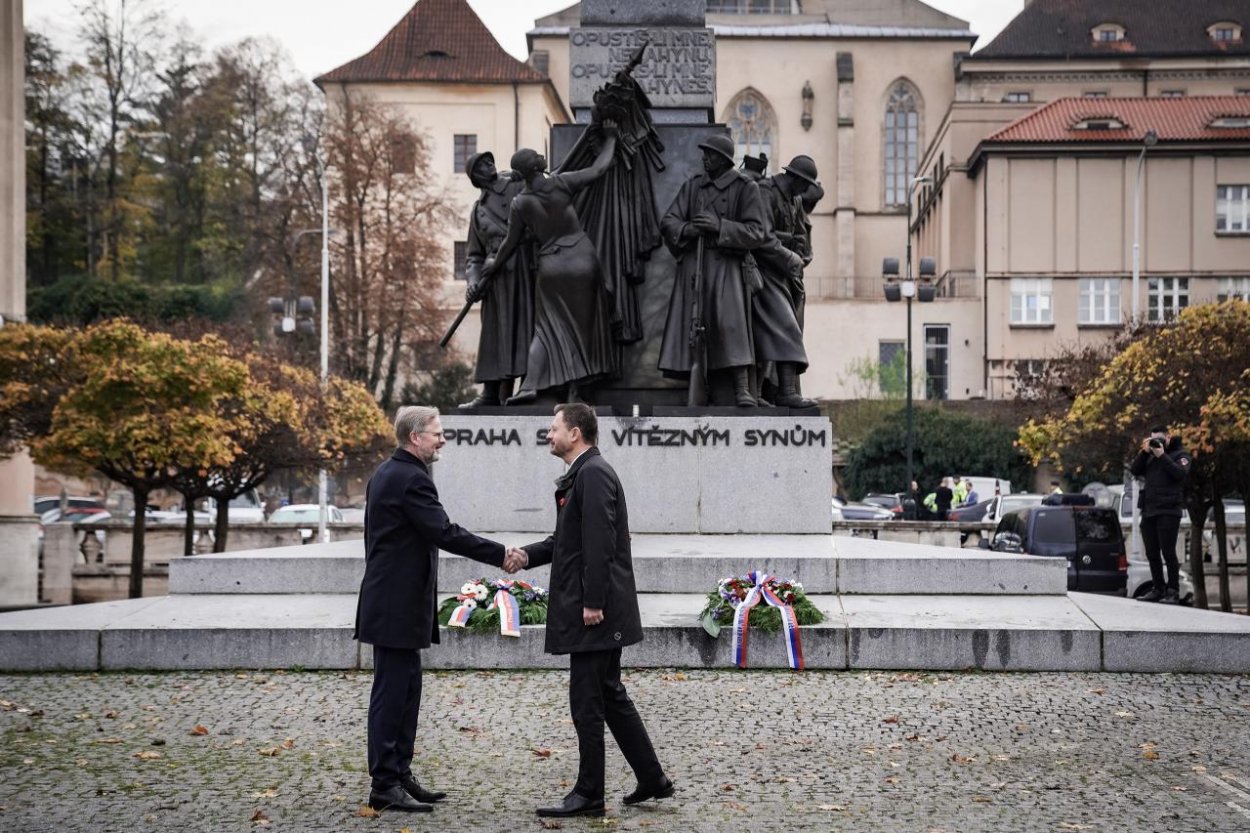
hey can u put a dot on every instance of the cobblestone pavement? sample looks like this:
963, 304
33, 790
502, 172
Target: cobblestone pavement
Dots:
749, 751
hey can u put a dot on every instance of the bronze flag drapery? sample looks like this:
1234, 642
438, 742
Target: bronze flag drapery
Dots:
618, 211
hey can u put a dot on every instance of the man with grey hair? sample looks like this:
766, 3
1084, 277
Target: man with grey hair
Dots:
405, 527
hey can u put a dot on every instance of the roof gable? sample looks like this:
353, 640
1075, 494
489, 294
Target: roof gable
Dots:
1172, 120
438, 40
1153, 28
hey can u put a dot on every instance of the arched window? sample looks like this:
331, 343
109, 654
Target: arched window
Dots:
753, 125
902, 141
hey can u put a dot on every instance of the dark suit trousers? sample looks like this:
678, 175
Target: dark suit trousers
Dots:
596, 697
1158, 535
393, 708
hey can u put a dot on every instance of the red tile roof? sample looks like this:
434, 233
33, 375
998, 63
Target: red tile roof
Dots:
438, 40
1173, 120
1153, 28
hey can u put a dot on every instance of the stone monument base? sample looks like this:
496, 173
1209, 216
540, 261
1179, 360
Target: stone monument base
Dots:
682, 474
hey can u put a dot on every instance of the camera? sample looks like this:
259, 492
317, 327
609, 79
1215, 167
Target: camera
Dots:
1155, 442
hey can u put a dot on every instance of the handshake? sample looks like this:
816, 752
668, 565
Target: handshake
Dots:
515, 559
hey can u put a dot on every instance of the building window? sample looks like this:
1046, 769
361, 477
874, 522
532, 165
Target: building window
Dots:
1018, 97
1094, 94
460, 260
1100, 301
1242, 91
1171, 93
1165, 297
1108, 33
902, 141
752, 124
540, 60
750, 7
937, 361
1225, 32
404, 153
1234, 288
1232, 208
464, 145
1030, 301
892, 368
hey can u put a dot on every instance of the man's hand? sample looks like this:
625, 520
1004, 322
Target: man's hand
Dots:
515, 559
706, 222
592, 616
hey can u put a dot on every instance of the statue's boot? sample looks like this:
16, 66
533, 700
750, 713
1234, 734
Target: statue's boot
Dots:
488, 397
523, 397
742, 388
787, 393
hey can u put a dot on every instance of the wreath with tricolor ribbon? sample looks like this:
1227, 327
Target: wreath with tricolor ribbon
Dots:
762, 601
502, 605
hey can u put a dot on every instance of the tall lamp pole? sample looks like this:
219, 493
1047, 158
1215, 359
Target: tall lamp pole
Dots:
323, 512
1148, 141
908, 289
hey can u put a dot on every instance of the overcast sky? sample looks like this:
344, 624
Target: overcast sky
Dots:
321, 35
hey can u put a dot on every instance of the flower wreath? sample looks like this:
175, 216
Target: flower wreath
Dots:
736, 602
501, 605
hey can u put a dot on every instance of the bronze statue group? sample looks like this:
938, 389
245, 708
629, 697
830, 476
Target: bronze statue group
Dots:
556, 260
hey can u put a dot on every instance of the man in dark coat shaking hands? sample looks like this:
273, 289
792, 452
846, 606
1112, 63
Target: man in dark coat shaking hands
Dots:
593, 613
405, 527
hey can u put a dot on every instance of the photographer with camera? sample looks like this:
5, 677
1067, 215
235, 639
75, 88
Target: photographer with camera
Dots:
1163, 464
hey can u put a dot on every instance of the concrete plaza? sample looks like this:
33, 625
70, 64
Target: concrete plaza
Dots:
759, 750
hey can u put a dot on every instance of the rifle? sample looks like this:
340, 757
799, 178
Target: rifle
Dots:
464, 310
698, 394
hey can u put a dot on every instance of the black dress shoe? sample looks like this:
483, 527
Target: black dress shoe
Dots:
1154, 594
419, 792
574, 805
523, 397
1171, 597
664, 789
396, 799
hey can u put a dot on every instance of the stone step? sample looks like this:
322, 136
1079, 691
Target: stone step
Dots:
662, 564
1012, 633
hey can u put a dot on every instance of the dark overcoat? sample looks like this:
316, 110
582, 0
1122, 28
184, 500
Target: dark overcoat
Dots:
405, 527
1163, 492
725, 306
591, 564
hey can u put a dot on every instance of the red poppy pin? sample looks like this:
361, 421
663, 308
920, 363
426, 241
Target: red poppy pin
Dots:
561, 501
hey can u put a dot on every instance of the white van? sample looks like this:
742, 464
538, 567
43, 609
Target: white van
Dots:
984, 486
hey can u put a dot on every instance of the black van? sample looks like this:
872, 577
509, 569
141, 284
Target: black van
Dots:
1089, 537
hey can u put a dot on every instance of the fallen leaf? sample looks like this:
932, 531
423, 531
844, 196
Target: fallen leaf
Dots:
1097, 691
727, 788
1071, 825
7, 706
1179, 789
269, 793
540, 752
367, 812
893, 779
832, 808
148, 755
550, 824
471, 729
1199, 768
982, 799
961, 759
739, 807
891, 719
200, 729
271, 752
1000, 757
1150, 755
288, 744
1129, 715
111, 714
259, 815
108, 740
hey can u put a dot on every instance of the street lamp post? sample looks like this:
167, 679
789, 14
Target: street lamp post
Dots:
1148, 141
908, 289
323, 512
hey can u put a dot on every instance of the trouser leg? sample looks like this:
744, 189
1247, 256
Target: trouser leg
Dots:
394, 705
586, 675
1150, 543
1167, 529
626, 725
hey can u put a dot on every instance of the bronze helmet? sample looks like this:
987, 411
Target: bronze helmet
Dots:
719, 144
804, 168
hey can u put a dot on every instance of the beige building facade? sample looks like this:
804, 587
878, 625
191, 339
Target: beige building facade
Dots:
1030, 214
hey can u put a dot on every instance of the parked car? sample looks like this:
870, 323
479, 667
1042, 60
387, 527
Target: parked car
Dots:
304, 513
1140, 581
242, 509
43, 503
973, 513
893, 502
1089, 537
985, 486
854, 511
353, 514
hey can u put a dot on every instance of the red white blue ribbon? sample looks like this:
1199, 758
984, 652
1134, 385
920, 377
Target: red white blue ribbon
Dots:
509, 611
789, 622
460, 616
